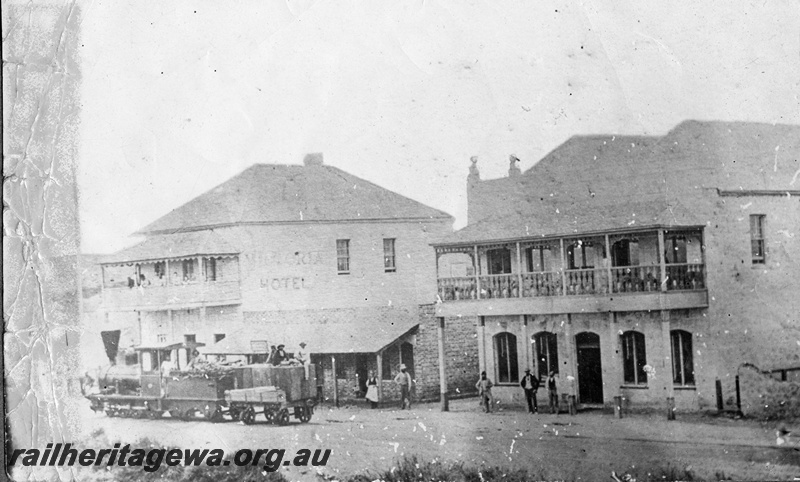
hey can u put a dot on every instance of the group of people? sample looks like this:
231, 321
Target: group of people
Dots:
529, 384
403, 381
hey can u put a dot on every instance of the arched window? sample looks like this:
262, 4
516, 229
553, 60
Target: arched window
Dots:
682, 363
634, 358
505, 349
545, 349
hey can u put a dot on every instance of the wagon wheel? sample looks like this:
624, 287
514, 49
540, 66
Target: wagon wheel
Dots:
175, 413
248, 416
153, 414
282, 418
189, 414
269, 415
305, 415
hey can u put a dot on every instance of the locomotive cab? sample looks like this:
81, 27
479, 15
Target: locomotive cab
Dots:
159, 360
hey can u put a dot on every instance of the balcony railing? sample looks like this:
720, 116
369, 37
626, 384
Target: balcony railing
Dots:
547, 283
499, 286
586, 281
590, 281
172, 295
685, 277
632, 279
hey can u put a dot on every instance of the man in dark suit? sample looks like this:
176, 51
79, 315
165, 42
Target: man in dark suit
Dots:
530, 384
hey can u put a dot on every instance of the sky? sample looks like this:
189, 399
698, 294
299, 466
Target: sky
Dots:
179, 96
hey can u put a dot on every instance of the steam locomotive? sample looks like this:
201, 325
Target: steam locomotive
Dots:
213, 392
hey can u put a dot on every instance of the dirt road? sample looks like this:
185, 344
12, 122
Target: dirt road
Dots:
587, 446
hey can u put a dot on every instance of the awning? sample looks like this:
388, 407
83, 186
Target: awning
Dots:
174, 246
322, 338
190, 345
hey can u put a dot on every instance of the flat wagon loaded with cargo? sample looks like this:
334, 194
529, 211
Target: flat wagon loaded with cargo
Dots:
205, 390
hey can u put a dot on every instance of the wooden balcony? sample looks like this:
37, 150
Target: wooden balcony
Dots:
173, 296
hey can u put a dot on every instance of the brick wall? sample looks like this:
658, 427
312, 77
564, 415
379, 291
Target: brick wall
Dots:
461, 352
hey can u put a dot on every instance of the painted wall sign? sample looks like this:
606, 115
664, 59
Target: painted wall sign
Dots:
287, 283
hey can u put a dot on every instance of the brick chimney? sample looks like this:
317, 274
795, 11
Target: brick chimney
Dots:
513, 169
313, 159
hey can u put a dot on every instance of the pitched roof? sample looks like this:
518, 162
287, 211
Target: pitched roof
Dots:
270, 193
609, 174
578, 218
178, 245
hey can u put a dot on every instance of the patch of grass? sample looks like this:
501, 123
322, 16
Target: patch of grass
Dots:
411, 469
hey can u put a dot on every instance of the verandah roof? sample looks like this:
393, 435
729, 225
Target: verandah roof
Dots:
174, 246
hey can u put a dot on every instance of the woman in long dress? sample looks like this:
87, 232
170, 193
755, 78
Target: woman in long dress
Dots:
372, 389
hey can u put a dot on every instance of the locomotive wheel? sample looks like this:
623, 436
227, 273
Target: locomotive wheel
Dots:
283, 417
269, 415
213, 414
189, 414
248, 416
153, 414
305, 415
175, 413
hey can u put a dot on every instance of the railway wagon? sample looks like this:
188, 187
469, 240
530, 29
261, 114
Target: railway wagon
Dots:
213, 393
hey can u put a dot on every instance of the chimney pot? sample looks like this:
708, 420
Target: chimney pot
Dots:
313, 159
513, 170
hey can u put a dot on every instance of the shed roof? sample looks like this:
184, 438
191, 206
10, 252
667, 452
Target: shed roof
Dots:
321, 338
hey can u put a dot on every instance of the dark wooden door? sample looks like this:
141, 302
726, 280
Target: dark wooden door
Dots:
590, 371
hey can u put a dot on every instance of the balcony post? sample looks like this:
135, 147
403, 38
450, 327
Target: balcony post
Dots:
379, 361
563, 268
200, 271
519, 271
166, 267
662, 259
608, 266
526, 348
703, 256
442, 367
481, 346
477, 263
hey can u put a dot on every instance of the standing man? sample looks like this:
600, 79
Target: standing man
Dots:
530, 384
484, 387
551, 388
404, 380
303, 357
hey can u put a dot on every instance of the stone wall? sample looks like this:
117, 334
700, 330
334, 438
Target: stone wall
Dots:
762, 395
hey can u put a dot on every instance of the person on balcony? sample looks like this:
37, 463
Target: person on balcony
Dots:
530, 384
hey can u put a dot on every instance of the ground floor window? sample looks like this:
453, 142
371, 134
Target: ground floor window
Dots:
545, 349
682, 363
634, 358
345, 363
505, 347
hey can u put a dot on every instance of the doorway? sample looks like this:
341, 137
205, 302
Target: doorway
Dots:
362, 371
590, 371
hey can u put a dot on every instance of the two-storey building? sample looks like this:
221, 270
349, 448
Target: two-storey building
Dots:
645, 267
283, 254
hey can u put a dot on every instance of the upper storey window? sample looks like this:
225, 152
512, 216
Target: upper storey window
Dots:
388, 255
498, 261
757, 238
343, 256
